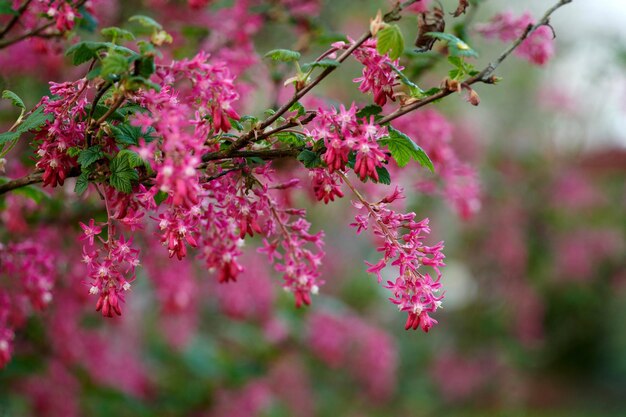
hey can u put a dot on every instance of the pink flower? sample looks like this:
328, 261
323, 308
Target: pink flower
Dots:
90, 231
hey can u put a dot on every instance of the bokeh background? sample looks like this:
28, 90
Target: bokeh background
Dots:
534, 320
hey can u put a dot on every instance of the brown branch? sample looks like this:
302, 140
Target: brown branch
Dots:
265, 154
15, 18
246, 138
482, 76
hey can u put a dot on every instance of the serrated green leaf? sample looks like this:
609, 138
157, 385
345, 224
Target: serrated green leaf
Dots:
146, 21
322, 63
114, 65
122, 174
283, 55
391, 41
89, 156
85, 51
82, 182
116, 33
74, 151
134, 160
369, 110
403, 149
34, 121
9, 137
15, 99
292, 138
127, 134
310, 159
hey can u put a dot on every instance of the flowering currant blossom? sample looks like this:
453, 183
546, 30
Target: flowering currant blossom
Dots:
63, 131
402, 245
343, 133
378, 76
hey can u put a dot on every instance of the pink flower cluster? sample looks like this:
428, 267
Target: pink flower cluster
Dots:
65, 130
28, 275
414, 290
538, 48
366, 352
343, 133
295, 252
108, 266
378, 76
326, 186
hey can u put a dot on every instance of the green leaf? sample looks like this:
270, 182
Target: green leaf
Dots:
390, 40
403, 149
32, 192
322, 63
383, 176
283, 55
34, 121
127, 134
134, 160
88, 50
15, 99
369, 110
116, 33
146, 21
6, 7
85, 51
236, 124
292, 138
89, 156
297, 107
310, 159
82, 182
122, 173
74, 151
9, 137
456, 46
114, 64
160, 197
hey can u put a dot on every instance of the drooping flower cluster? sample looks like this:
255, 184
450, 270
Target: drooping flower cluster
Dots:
414, 291
538, 48
326, 186
109, 266
27, 274
298, 253
378, 76
343, 134
64, 130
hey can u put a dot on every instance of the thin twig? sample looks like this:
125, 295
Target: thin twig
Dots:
15, 18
